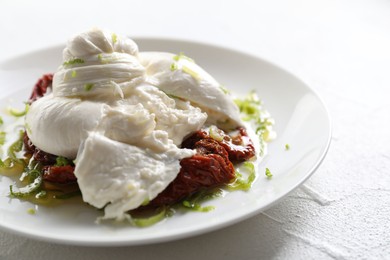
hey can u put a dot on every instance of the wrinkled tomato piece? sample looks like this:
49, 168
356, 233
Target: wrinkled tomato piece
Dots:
238, 145
41, 87
38, 155
59, 174
209, 168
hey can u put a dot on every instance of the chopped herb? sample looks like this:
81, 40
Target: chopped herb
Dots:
287, 147
224, 90
171, 95
102, 59
114, 38
145, 222
182, 56
185, 69
195, 206
31, 211
16, 147
216, 133
33, 186
16, 113
2, 137
193, 202
251, 108
61, 161
244, 184
41, 194
190, 72
13, 165
88, 86
74, 73
187, 204
1, 120
28, 128
146, 202
73, 62
68, 195
173, 66
268, 173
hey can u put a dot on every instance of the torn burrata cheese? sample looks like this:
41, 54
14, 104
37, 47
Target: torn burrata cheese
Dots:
122, 114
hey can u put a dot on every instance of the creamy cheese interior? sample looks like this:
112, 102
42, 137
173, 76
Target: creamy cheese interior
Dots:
122, 116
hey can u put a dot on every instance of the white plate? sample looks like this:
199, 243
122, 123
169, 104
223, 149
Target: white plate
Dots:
302, 121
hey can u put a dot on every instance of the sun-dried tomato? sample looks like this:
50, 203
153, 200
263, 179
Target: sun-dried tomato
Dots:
38, 155
29, 147
41, 87
209, 168
59, 174
239, 146
43, 157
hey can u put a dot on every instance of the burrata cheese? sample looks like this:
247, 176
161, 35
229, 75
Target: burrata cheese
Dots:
121, 115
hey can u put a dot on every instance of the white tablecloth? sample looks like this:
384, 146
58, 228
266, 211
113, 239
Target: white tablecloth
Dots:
340, 48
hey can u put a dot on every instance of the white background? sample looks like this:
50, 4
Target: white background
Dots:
340, 48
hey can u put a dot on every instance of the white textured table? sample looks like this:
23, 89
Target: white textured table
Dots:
340, 48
